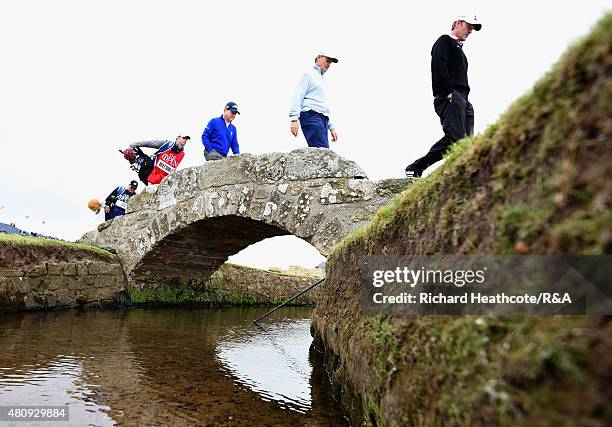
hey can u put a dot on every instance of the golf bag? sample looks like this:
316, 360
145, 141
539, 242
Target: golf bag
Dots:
140, 163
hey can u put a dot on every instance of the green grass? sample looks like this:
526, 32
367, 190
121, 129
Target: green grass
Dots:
165, 295
11, 239
272, 270
385, 345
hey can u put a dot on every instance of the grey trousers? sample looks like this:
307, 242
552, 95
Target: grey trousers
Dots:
213, 155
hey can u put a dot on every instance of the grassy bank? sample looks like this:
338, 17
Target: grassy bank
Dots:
15, 240
536, 182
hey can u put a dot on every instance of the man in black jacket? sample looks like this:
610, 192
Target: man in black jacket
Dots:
449, 81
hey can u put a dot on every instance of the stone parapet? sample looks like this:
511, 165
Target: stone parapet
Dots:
39, 276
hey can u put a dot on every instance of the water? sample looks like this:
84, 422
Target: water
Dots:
167, 367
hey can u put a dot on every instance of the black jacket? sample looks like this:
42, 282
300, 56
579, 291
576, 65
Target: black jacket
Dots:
449, 67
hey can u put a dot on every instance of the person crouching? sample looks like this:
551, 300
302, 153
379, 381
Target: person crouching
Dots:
116, 203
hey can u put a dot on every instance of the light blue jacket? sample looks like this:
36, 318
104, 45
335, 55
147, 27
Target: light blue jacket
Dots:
310, 94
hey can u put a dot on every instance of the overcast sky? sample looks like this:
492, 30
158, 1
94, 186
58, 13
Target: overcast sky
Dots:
81, 79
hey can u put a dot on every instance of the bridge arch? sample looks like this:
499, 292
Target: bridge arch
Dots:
196, 218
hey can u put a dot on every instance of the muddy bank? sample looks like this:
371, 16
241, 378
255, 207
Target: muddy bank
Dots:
37, 273
537, 182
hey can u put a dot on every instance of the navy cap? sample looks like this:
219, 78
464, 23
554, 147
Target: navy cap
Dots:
232, 107
134, 184
331, 58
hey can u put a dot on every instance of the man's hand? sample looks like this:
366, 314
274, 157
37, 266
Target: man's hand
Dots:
450, 96
334, 135
106, 209
294, 128
130, 155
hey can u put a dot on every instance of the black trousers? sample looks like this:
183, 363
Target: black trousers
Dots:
457, 119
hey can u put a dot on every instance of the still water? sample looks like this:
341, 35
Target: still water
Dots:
167, 367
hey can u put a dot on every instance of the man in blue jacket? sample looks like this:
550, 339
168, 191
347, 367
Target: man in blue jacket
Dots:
220, 134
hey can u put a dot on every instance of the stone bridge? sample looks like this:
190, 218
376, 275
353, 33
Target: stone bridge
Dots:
196, 218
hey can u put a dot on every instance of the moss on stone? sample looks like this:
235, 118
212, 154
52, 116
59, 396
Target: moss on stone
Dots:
164, 295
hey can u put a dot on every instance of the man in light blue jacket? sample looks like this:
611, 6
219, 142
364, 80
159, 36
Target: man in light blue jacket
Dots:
309, 105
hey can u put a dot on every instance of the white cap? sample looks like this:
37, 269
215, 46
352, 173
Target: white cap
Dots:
331, 58
470, 19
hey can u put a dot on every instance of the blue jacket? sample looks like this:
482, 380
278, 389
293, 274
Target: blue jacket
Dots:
217, 136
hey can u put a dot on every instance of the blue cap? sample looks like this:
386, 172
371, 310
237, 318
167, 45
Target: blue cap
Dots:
232, 107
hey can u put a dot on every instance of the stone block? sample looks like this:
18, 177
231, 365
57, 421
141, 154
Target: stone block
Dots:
35, 282
105, 225
20, 284
40, 270
101, 294
390, 187
94, 268
311, 163
89, 238
261, 193
143, 217
116, 270
138, 202
10, 272
82, 269
69, 269
53, 283
54, 269
74, 283
103, 281
81, 297
118, 284
64, 297
105, 268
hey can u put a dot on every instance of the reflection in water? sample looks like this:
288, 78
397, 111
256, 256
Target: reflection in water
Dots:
54, 384
272, 360
167, 367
